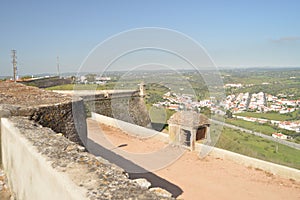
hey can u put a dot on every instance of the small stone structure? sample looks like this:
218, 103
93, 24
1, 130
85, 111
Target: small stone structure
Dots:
187, 127
142, 89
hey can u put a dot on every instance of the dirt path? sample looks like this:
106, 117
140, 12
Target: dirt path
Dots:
209, 178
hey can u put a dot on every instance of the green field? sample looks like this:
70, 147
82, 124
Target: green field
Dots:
273, 115
83, 87
265, 129
257, 147
279, 81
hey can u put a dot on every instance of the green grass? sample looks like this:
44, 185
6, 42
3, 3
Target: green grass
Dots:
273, 115
257, 147
265, 129
107, 86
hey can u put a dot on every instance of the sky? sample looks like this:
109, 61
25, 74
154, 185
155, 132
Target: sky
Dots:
257, 33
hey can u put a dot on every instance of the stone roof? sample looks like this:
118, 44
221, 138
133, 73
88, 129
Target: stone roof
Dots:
189, 119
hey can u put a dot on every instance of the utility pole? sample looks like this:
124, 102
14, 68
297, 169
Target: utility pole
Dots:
57, 62
14, 62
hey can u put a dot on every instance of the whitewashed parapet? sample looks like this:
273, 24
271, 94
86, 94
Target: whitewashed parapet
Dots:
41, 164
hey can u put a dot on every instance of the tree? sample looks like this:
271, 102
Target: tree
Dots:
228, 114
91, 77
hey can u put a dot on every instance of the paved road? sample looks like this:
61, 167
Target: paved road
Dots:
284, 142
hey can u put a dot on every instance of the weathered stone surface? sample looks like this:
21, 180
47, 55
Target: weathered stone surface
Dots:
128, 109
143, 183
47, 82
4, 190
161, 192
26, 96
101, 179
61, 113
189, 118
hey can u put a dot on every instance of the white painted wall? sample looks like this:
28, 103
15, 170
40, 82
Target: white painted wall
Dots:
133, 129
30, 175
273, 168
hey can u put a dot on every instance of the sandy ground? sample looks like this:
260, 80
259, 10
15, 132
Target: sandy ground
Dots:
208, 178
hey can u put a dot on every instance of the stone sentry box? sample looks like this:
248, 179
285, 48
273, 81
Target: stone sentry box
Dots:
188, 127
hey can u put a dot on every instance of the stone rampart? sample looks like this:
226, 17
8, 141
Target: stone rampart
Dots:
45, 82
128, 109
125, 105
41, 164
62, 113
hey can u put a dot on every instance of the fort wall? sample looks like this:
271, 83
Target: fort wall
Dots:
41, 164
62, 113
46, 81
125, 105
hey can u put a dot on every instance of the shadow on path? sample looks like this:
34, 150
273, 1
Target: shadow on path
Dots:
118, 160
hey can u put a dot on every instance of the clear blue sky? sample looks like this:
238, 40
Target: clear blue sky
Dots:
235, 33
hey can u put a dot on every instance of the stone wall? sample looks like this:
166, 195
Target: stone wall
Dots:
41, 164
128, 109
62, 113
47, 82
68, 119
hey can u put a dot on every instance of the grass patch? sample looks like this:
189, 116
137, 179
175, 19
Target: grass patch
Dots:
107, 86
265, 129
273, 115
257, 147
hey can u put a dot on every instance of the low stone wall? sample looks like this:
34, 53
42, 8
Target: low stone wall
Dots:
47, 82
125, 105
128, 109
41, 164
273, 168
67, 118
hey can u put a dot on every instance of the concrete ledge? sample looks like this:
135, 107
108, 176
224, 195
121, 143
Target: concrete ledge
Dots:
135, 130
273, 168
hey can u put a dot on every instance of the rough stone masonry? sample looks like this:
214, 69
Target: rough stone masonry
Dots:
61, 113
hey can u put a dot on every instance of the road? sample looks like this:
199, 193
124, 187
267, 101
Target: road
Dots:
284, 142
